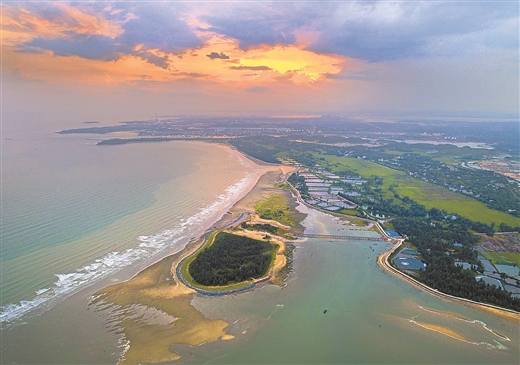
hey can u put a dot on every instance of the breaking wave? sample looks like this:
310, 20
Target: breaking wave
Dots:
175, 238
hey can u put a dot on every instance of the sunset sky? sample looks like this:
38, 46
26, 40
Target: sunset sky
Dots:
126, 60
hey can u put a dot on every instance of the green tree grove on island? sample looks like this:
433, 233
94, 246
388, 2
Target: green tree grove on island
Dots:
230, 259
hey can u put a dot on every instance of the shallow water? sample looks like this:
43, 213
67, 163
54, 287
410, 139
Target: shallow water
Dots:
371, 316
130, 205
77, 217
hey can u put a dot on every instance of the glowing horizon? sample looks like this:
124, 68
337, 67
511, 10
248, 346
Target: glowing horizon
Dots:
265, 56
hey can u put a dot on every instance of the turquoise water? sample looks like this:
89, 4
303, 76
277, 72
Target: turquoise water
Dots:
74, 213
77, 216
372, 317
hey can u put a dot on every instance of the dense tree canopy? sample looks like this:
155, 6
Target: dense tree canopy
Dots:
231, 258
440, 242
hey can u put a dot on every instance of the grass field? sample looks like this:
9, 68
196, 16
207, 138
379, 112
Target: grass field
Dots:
275, 207
502, 258
505, 258
362, 167
352, 212
424, 193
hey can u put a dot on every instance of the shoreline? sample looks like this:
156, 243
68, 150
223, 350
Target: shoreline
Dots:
382, 260
157, 286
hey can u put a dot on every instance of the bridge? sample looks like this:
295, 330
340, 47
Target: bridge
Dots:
336, 237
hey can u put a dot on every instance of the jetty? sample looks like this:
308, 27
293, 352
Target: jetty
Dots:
337, 237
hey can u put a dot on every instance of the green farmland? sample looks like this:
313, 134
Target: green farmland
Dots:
424, 193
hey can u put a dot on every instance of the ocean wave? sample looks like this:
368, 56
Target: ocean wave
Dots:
70, 283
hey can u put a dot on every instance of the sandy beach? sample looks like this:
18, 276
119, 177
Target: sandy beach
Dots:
152, 338
156, 289
507, 314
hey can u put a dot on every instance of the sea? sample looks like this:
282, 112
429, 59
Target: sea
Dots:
77, 217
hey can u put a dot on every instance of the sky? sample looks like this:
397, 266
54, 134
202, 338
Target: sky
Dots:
124, 60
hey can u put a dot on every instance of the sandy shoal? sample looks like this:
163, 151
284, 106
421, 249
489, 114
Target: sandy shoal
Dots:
509, 316
446, 314
156, 287
443, 330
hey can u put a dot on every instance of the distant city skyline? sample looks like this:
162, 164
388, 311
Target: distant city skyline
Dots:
106, 61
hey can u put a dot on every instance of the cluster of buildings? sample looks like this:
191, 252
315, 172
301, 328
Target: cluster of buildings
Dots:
511, 169
324, 187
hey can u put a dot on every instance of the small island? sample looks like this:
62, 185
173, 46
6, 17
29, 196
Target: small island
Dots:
231, 259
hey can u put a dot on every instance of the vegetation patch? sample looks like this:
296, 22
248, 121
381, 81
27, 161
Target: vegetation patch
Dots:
261, 227
275, 207
429, 195
504, 258
232, 259
443, 241
184, 267
355, 213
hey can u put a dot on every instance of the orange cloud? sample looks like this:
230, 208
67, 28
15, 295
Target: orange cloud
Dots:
258, 65
244, 69
304, 65
20, 24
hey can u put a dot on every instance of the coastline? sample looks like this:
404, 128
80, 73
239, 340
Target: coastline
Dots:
157, 289
141, 225
504, 313
383, 262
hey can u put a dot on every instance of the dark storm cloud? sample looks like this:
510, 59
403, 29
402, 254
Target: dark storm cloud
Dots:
375, 30
159, 26
94, 47
216, 55
372, 31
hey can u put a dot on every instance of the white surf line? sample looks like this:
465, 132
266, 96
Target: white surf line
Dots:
484, 325
498, 346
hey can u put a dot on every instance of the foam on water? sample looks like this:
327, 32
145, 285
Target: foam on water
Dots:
172, 239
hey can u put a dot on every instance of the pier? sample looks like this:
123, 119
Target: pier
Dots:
337, 237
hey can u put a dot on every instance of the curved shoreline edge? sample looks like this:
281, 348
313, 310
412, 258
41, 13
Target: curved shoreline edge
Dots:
207, 292
385, 264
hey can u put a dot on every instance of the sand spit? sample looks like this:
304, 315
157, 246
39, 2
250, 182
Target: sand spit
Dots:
157, 290
446, 314
443, 330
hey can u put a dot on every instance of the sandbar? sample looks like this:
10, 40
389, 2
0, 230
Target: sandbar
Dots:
443, 330
157, 287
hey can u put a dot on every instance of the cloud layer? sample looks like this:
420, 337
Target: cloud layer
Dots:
150, 31
382, 31
371, 31
331, 54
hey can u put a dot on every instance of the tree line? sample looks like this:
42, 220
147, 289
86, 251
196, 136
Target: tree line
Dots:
230, 259
440, 243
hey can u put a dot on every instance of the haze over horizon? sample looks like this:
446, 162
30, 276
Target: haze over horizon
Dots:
68, 62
